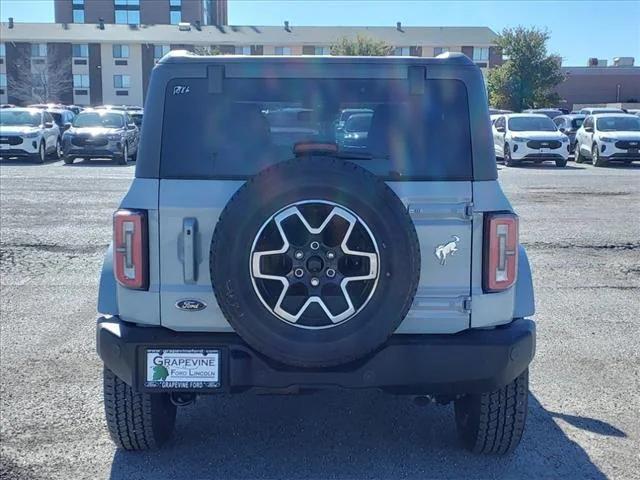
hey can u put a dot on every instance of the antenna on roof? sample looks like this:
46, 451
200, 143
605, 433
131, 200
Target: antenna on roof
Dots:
198, 25
399, 26
101, 23
10, 22
286, 26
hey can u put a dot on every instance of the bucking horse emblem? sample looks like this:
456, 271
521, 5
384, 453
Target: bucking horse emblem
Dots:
446, 249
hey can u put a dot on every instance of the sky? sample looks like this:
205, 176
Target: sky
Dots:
579, 29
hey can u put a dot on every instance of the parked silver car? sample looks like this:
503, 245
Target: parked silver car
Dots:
30, 133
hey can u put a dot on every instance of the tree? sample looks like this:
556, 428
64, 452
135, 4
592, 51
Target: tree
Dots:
361, 45
45, 81
528, 77
206, 50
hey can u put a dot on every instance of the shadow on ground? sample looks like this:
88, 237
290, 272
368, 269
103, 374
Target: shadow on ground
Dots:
349, 435
98, 162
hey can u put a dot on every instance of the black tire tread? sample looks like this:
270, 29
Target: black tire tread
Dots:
500, 418
356, 169
130, 416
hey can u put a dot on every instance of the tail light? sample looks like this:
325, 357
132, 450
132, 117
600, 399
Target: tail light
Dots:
131, 249
500, 251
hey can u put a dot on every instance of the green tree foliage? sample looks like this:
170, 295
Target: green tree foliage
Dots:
528, 76
361, 46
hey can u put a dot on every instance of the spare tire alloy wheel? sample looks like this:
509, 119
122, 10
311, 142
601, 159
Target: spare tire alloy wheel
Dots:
315, 262
315, 265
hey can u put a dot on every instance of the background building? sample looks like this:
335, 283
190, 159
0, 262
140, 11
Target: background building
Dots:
136, 12
112, 62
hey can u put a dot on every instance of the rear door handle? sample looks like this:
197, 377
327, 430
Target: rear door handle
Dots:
189, 267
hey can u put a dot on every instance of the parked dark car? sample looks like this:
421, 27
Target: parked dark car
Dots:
353, 137
569, 125
101, 134
62, 117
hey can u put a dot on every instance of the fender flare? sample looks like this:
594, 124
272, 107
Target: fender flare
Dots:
108, 288
524, 302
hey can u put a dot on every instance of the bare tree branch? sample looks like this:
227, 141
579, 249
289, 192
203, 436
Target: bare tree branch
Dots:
45, 82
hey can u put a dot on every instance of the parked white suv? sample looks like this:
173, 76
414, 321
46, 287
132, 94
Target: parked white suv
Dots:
530, 137
609, 137
28, 132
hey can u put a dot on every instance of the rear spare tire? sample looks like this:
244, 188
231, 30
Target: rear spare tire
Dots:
315, 262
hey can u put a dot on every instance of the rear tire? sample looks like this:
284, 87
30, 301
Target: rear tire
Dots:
494, 422
136, 421
578, 156
561, 163
597, 160
67, 160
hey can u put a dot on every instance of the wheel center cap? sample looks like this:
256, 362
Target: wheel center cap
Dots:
315, 264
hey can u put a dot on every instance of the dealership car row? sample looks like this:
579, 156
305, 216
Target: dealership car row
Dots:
598, 134
42, 131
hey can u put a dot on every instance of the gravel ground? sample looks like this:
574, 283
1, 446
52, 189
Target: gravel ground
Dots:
581, 228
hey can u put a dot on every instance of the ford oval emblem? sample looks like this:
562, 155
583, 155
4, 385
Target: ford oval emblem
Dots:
190, 305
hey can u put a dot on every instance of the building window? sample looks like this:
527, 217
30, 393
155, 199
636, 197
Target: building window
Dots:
3, 50
322, 51
81, 81
175, 11
160, 51
402, 51
80, 50
243, 50
121, 51
438, 50
38, 49
78, 11
127, 12
122, 81
3, 80
283, 50
480, 54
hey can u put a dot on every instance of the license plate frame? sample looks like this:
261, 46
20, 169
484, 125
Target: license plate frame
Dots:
544, 150
170, 379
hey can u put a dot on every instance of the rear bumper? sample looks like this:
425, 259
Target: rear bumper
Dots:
470, 361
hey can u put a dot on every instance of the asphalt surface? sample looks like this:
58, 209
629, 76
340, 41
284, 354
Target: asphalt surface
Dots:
581, 227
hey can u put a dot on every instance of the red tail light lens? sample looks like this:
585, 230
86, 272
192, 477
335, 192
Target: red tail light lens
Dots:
500, 251
131, 249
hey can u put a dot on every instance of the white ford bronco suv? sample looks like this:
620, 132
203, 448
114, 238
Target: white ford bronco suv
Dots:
251, 252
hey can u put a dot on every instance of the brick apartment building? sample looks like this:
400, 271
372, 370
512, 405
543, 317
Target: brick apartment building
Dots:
109, 47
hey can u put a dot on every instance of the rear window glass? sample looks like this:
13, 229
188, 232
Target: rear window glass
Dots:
256, 122
99, 119
577, 122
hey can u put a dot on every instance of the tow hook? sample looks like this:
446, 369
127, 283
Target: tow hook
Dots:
182, 399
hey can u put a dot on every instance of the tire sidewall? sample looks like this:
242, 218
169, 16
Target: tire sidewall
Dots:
398, 270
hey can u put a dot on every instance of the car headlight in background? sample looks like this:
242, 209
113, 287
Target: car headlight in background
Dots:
607, 139
114, 137
351, 135
518, 139
565, 139
31, 134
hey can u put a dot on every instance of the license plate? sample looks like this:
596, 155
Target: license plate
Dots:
634, 150
183, 368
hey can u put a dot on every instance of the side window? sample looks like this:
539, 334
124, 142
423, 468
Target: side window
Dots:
500, 122
47, 117
588, 122
559, 121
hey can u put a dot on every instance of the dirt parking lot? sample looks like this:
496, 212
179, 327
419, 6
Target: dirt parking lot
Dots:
580, 225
